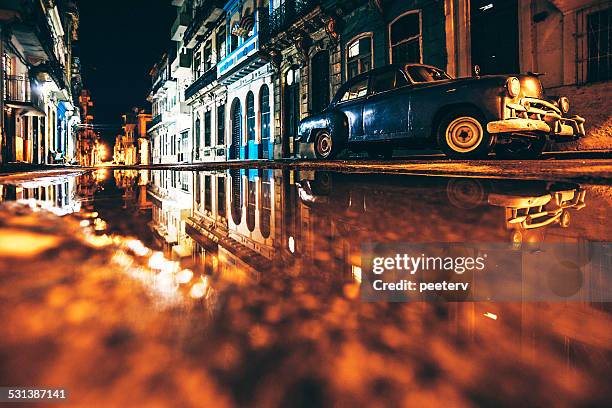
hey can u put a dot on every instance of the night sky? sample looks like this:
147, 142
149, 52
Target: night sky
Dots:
119, 41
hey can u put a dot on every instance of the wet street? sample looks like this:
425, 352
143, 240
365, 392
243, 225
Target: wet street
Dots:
241, 287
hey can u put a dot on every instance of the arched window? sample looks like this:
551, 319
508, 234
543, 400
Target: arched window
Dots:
405, 38
265, 211
250, 107
251, 203
359, 56
264, 113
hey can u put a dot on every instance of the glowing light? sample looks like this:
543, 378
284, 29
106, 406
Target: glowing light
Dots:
157, 260
138, 247
292, 245
356, 272
198, 290
84, 223
184, 276
99, 224
490, 315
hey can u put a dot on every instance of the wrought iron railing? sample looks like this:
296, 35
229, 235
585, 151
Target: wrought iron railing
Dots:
22, 90
206, 79
283, 16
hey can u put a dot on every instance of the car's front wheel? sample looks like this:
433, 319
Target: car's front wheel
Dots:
324, 146
462, 135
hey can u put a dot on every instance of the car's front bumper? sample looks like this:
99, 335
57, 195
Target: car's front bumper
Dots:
536, 116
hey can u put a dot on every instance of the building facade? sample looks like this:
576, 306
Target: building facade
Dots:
39, 119
170, 129
253, 69
132, 144
88, 139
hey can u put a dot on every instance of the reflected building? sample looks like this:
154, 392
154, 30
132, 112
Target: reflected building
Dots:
56, 194
171, 197
233, 227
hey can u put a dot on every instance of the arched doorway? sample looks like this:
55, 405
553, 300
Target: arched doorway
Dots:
236, 116
320, 81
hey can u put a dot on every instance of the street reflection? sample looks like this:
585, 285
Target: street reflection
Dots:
273, 258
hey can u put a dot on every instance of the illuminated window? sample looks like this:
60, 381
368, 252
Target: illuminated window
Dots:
405, 38
359, 55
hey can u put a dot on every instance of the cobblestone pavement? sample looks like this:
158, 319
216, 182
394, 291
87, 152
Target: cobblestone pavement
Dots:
90, 302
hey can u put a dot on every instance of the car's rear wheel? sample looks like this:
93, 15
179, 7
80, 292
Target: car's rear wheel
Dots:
462, 135
521, 149
324, 145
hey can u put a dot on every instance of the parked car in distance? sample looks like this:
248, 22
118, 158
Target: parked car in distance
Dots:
419, 106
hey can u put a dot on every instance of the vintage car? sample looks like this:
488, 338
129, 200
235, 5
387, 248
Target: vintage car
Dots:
420, 106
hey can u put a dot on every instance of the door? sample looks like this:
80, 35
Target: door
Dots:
236, 130
320, 81
351, 103
385, 114
494, 30
292, 113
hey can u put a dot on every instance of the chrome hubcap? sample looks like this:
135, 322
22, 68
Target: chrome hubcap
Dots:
464, 134
324, 144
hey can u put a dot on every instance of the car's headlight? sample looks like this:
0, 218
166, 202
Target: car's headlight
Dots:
513, 85
563, 103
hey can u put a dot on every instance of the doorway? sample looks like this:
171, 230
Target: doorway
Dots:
320, 81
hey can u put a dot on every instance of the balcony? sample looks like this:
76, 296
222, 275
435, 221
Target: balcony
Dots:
206, 13
21, 92
181, 66
204, 80
287, 13
156, 121
180, 25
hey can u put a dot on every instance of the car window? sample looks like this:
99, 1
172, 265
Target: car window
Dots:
357, 90
421, 73
388, 80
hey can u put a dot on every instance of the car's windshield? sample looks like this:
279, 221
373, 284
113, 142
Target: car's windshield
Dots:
421, 73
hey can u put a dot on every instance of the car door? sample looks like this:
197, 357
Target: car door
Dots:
351, 104
385, 113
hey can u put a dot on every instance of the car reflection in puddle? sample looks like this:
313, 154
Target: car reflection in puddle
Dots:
250, 280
